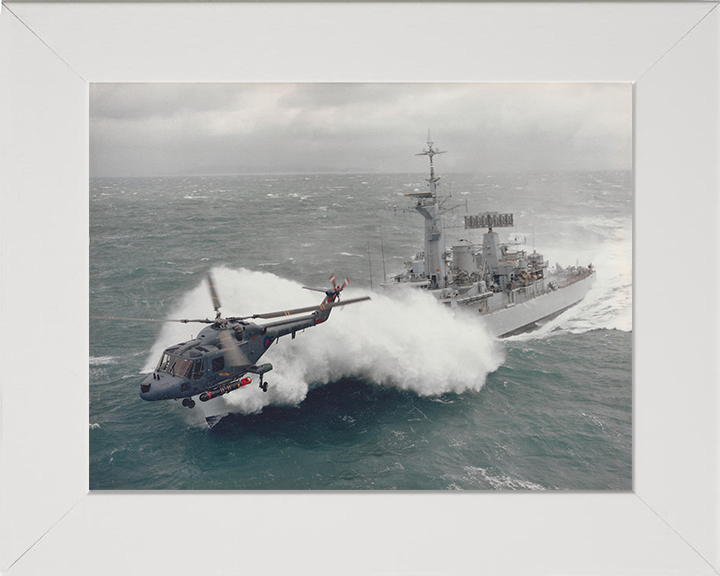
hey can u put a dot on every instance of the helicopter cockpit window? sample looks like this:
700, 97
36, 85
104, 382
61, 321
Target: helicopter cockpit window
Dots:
197, 371
164, 363
176, 366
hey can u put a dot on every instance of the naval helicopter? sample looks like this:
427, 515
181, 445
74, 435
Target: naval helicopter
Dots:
221, 357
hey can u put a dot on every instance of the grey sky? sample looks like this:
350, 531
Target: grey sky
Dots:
179, 129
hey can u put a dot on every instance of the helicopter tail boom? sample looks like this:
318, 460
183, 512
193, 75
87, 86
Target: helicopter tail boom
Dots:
323, 306
320, 314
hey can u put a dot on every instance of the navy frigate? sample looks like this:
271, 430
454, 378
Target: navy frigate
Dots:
513, 291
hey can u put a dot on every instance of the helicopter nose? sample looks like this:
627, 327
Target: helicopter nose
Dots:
159, 386
146, 392
144, 389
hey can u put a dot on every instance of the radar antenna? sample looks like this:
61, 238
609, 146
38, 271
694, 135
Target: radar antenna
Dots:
430, 152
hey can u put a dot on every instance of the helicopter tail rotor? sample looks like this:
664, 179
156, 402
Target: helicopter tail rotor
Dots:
336, 285
333, 293
337, 288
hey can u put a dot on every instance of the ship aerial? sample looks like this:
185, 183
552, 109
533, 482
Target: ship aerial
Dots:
513, 291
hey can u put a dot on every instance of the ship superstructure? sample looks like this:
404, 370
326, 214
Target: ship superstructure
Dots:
512, 290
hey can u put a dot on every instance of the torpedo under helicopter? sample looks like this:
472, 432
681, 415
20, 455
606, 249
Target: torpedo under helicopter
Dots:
222, 355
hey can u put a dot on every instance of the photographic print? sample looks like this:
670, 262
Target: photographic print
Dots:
361, 286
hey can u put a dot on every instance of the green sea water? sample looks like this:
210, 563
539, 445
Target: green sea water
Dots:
395, 393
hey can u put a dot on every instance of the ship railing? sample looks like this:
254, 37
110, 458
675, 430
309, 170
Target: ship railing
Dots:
580, 274
474, 298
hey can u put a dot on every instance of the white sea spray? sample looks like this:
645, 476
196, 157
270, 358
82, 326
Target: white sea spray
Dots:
408, 341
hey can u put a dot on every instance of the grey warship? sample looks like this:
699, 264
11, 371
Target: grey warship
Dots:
512, 291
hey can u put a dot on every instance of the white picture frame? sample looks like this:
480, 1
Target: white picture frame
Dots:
50, 523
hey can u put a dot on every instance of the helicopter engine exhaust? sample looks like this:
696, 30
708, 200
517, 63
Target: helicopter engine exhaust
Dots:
224, 389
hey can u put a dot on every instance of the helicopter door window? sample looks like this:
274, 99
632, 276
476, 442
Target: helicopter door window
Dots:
197, 372
218, 364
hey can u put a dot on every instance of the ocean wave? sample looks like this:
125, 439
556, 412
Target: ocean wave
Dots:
410, 342
102, 360
602, 309
497, 481
608, 304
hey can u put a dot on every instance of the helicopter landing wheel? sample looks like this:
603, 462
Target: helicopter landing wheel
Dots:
191, 403
264, 386
185, 401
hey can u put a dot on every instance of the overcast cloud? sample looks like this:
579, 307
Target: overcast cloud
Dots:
181, 129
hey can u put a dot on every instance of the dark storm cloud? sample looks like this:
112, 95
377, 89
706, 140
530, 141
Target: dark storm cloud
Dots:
148, 129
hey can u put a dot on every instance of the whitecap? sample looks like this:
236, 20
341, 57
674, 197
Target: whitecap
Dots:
102, 360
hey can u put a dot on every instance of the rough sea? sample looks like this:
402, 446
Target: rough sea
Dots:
391, 394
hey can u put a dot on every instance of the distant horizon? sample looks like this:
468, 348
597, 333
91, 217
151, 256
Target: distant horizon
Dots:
350, 172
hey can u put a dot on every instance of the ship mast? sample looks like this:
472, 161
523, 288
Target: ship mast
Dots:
427, 206
430, 152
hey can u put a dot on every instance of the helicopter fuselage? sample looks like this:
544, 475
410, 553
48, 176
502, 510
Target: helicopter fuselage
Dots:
202, 366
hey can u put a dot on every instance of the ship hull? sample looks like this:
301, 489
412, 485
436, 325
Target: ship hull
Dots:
531, 314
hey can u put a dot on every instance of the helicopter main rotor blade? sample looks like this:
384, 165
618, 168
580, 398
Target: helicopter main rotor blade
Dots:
323, 290
184, 320
231, 351
213, 293
345, 302
307, 309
